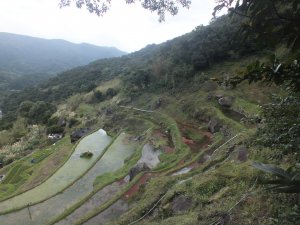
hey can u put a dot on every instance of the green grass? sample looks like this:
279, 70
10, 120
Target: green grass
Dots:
22, 170
246, 107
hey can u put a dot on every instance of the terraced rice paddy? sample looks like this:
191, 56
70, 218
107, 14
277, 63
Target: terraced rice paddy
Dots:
45, 211
68, 173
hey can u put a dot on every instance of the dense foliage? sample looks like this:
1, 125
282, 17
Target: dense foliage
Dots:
161, 7
281, 127
273, 21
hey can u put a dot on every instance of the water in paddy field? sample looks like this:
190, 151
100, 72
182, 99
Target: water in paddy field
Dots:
46, 211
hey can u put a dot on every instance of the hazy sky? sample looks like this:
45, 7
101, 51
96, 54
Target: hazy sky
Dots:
127, 27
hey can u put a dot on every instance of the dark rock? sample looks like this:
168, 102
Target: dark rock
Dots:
1, 165
137, 169
213, 125
108, 111
76, 135
226, 101
209, 96
218, 96
242, 153
200, 116
33, 161
62, 122
158, 103
182, 204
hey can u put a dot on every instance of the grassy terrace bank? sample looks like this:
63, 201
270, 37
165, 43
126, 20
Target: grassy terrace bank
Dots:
46, 163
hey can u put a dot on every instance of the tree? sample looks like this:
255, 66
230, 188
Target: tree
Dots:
40, 112
161, 7
273, 21
110, 92
98, 96
25, 108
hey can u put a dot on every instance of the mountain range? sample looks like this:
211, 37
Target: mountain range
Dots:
21, 54
27, 61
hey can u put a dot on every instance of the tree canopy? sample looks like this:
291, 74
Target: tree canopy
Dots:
274, 21
161, 7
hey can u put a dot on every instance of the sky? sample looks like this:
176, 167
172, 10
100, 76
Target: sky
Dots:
127, 27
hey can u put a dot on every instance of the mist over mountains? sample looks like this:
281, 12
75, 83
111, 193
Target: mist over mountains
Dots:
23, 55
27, 61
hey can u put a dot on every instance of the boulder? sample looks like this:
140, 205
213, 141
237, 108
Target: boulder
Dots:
218, 96
213, 125
77, 134
209, 96
182, 204
242, 152
226, 101
200, 116
108, 111
62, 122
140, 167
158, 103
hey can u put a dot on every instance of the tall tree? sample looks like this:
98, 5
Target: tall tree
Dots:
161, 7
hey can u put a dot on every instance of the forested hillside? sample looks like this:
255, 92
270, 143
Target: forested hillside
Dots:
163, 66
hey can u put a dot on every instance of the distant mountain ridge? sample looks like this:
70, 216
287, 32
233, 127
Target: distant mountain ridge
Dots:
22, 54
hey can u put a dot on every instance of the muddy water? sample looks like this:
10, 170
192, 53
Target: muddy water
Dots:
44, 212
96, 200
111, 213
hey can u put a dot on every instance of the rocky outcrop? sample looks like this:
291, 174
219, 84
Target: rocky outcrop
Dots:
226, 101
199, 115
213, 125
77, 134
158, 103
62, 122
140, 167
181, 204
149, 160
242, 153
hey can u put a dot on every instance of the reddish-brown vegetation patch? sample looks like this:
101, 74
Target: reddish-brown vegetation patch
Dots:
168, 150
135, 188
188, 141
